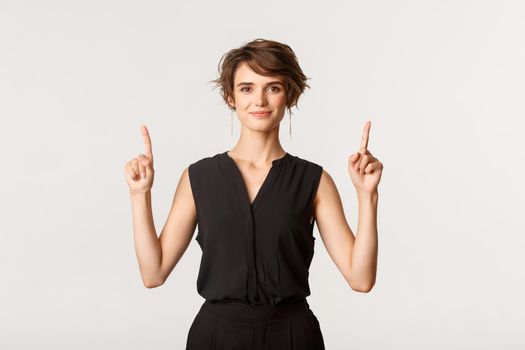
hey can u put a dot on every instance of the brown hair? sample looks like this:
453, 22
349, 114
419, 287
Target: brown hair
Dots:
265, 57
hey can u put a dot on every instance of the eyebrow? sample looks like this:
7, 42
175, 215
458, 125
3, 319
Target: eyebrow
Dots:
270, 83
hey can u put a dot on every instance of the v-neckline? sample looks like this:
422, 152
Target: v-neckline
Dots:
243, 186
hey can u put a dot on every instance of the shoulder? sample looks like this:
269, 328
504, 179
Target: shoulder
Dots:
308, 164
324, 183
305, 161
309, 172
204, 162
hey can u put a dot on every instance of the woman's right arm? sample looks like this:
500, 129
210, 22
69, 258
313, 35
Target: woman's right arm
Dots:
157, 256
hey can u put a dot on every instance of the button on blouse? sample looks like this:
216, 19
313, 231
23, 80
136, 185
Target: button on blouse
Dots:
258, 252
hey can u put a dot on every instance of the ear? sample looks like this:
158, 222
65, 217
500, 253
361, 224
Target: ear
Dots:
231, 101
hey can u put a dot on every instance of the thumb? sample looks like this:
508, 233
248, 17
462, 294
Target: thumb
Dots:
147, 164
149, 170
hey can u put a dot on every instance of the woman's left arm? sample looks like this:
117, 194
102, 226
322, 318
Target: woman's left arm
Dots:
355, 257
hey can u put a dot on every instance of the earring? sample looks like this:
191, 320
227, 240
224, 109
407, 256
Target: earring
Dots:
290, 124
231, 122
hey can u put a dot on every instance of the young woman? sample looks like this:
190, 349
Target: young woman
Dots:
255, 206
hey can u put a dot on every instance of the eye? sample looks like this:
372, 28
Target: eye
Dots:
277, 89
242, 89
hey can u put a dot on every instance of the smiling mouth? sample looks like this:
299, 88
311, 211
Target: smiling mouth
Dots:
260, 114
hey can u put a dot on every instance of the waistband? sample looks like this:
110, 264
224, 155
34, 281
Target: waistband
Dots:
241, 310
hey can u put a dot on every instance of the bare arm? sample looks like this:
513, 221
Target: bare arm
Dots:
158, 256
179, 228
354, 257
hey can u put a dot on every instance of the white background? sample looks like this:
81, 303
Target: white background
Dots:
443, 83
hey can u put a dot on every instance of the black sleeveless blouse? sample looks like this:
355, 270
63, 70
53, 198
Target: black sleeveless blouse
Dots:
258, 252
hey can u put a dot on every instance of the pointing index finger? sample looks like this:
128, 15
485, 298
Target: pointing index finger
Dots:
147, 142
364, 138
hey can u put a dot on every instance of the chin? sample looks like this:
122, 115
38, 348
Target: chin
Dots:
259, 125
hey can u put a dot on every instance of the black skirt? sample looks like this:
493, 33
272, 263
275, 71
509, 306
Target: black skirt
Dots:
239, 326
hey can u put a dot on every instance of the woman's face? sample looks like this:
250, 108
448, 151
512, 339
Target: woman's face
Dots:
257, 93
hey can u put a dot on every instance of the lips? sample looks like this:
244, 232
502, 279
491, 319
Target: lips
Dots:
261, 113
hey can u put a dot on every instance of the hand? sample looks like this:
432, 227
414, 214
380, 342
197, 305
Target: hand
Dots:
364, 169
139, 171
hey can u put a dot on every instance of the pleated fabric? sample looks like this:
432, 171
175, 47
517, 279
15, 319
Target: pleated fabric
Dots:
239, 326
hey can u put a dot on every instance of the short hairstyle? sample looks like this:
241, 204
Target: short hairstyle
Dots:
265, 57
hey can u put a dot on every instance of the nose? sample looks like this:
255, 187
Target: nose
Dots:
260, 98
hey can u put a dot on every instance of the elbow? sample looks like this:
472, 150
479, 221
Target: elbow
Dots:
152, 283
362, 287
